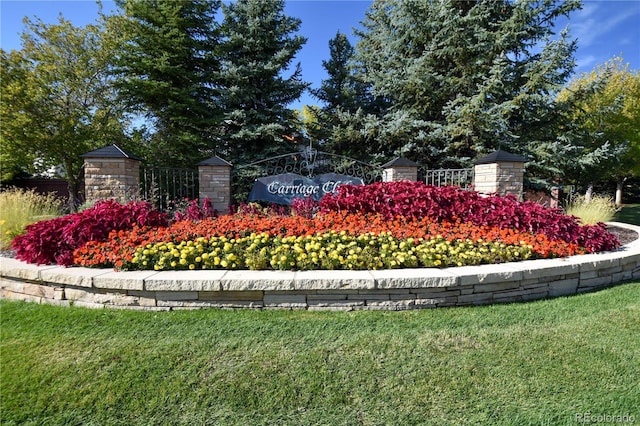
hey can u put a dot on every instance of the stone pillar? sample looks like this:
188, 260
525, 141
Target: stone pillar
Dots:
214, 182
501, 173
111, 173
400, 169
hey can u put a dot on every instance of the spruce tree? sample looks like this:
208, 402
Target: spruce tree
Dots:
346, 101
462, 78
167, 72
341, 89
259, 47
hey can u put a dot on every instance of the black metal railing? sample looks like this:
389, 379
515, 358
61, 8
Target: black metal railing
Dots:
165, 186
445, 177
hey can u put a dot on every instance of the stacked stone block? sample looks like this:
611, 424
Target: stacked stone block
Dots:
214, 176
321, 290
400, 169
108, 178
501, 178
499, 173
111, 173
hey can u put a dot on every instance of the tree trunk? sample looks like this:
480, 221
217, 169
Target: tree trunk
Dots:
619, 185
588, 193
73, 183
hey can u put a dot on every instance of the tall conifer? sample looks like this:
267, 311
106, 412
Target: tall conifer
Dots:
168, 69
259, 47
463, 77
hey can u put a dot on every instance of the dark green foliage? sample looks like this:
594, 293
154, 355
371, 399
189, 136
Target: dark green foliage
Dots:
341, 89
168, 69
462, 78
347, 102
258, 50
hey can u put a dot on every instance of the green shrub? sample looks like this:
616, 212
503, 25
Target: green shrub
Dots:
19, 208
600, 208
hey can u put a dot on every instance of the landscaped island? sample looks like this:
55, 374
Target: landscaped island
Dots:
376, 226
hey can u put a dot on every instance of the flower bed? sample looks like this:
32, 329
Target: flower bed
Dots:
378, 226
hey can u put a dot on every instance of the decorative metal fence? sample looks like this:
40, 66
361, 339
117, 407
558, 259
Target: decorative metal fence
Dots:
311, 162
163, 186
308, 162
444, 177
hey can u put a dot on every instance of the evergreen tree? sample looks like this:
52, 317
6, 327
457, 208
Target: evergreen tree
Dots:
346, 100
341, 89
462, 78
259, 47
168, 71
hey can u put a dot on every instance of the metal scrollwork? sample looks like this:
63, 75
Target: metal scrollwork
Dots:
458, 177
311, 162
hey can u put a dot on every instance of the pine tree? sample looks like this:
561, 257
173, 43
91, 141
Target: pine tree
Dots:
259, 47
167, 71
341, 89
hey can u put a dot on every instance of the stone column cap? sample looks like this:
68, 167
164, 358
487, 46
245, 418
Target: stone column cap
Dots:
401, 162
111, 151
500, 156
215, 161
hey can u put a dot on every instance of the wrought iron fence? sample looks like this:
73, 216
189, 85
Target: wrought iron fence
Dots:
308, 162
163, 186
444, 177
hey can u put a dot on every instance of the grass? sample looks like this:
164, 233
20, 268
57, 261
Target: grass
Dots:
630, 213
539, 363
19, 208
600, 208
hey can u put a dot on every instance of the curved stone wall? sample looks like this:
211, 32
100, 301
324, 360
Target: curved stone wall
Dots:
396, 289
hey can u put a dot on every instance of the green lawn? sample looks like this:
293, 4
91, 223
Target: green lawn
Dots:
540, 363
630, 213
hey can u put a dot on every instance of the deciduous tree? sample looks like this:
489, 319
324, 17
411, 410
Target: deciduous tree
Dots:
57, 99
604, 107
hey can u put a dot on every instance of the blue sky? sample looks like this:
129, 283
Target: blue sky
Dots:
604, 28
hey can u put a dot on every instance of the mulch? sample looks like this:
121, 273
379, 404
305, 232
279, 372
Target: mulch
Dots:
625, 236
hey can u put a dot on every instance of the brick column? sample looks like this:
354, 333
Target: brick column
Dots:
111, 173
400, 169
499, 172
214, 177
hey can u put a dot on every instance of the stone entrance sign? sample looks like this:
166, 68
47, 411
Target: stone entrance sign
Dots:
284, 188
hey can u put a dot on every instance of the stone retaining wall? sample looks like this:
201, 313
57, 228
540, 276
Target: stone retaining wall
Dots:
333, 290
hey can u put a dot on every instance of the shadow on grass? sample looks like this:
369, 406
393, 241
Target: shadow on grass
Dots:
630, 213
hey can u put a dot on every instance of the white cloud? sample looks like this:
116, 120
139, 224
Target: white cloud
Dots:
593, 21
588, 9
585, 62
